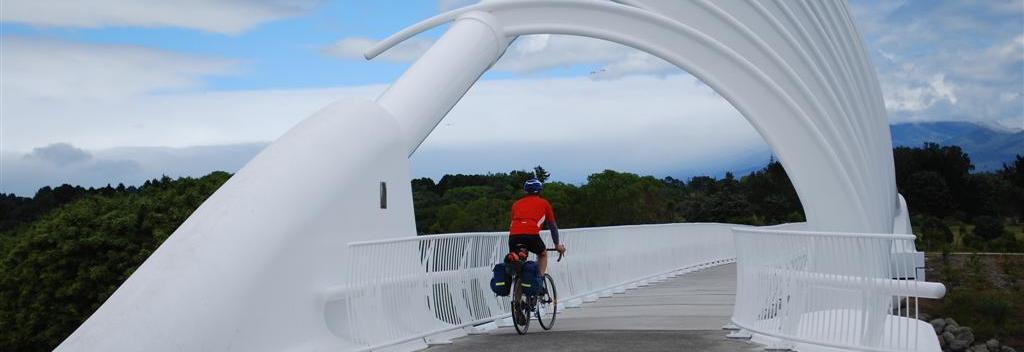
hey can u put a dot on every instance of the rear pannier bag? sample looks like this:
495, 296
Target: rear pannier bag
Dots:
531, 283
499, 281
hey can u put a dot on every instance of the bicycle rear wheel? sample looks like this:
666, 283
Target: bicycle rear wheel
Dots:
548, 304
520, 308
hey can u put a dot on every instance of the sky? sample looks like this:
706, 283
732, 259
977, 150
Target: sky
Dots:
98, 91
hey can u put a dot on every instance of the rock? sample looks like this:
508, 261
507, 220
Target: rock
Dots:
1007, 349
963, 337
951, 322
979, 348
992, 345
958, 345
939, 325
947, 338
965, 334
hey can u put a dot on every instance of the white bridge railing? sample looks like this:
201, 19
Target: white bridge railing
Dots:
830, 289
404, 290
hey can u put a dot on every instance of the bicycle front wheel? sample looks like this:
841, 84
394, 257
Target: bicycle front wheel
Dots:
520, 308
548, 304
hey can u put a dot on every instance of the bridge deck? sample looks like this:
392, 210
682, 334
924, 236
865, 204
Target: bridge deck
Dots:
685, 313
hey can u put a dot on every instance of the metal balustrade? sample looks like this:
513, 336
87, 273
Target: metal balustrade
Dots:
401, 290
830, 289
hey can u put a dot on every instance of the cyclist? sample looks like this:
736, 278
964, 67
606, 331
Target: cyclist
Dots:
529, 214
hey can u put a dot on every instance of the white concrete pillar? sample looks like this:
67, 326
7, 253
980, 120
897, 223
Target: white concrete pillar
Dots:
430, 87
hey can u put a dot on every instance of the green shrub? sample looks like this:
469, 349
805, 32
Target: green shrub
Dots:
987, 310
988, 227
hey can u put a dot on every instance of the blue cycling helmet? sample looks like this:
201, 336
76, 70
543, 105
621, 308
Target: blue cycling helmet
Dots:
532, 186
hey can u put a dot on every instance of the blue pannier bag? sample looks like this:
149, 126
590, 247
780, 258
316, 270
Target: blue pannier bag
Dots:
530, 280
499, 282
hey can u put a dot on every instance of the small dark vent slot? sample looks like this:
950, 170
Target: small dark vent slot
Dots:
383, 195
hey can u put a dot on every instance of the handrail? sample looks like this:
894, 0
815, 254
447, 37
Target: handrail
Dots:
399, 290
824, 233
426, 237
886, 286
505, 233
831, 289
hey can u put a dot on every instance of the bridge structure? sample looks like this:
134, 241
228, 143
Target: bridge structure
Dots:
311, 246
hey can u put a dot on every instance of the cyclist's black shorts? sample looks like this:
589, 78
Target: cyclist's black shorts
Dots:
533, 243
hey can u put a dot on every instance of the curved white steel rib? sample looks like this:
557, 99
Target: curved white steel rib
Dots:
832, 165
256, 267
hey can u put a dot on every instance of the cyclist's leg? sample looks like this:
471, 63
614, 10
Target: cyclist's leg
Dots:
542, 262
537, 246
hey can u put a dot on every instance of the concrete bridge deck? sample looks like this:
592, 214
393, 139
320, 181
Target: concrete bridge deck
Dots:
685, 313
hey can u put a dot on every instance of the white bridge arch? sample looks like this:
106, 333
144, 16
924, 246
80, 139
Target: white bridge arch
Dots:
259, 264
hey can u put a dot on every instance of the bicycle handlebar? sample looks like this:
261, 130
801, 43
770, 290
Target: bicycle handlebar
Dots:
559, 254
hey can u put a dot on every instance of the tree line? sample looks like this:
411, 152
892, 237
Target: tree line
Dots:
64, 251
463, 203
67, 248
954, 209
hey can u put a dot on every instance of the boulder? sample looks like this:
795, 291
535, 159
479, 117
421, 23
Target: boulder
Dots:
939, 325
979, 348
958, 345
1007, 349
992, 345
946, 338
951, 322
965, 334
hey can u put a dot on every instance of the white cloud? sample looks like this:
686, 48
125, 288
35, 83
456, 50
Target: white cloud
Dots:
59, 154
225, 16
589, 112
103, 96
573, 126
564, 108
44, 70
23, 174
176, 119
993, 63
948, 60
918, 97
576, 126
634, 64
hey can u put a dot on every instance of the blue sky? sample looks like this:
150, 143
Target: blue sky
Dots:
99, 91
278, 54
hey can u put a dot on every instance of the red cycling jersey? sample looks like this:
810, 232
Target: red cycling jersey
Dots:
529, 215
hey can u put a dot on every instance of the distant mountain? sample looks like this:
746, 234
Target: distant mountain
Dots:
987, 147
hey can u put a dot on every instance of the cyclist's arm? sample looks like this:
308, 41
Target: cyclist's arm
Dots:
550, 222
554, 230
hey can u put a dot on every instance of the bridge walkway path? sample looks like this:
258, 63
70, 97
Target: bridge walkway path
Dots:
685, 313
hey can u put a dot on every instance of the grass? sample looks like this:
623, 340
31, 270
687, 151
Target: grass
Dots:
982, 292
1017, 230
962, 230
